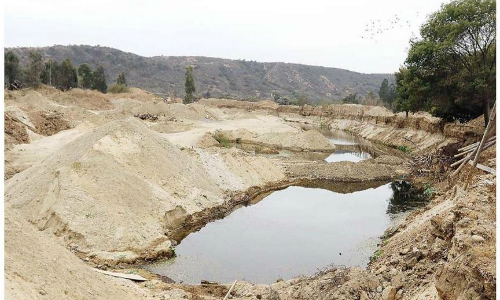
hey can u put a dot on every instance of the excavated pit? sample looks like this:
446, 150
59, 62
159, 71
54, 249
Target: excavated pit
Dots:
285, 234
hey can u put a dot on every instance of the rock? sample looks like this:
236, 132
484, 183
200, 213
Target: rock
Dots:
389, 293
397, 281
478, 238
394, 261
399, 295
404, 251
393, 272
379, 289
363, 296
381, 270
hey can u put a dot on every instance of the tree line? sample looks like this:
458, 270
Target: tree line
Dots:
63, 75
451, 70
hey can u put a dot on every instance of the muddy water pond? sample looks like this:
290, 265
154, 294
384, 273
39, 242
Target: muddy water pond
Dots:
292, 232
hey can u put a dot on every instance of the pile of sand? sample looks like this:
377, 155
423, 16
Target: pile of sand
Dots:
37, 267
110, 190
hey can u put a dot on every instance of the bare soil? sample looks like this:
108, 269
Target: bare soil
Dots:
93, 185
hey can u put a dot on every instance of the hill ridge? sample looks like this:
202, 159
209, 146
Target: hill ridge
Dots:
217, 77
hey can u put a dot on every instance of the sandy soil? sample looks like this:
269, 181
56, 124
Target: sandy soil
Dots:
112, 180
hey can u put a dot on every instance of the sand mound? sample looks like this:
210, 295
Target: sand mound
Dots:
89, 191
37, 267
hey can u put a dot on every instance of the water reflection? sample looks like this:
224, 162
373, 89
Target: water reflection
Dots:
341, 155
405, 196
290, 232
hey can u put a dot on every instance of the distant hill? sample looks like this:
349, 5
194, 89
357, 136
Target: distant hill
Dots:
237, 79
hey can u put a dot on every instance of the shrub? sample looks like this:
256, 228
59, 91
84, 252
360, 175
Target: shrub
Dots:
404, 149
118, 88
223, 141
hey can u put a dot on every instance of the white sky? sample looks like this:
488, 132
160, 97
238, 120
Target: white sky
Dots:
326, 33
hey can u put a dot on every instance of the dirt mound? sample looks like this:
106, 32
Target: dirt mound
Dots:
146, 177
15, 131
88, 99
48, 123
158, 176
37, 267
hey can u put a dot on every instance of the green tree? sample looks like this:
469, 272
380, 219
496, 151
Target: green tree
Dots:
392, 94
121, 79
99, 80
68, 75
451, 70
383, 93
11, 68
50, 74
35, 70
302, 100
410, 92
350, 99
86, 77
189, 86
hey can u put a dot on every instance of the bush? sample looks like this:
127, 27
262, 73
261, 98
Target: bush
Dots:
223, 141
404, 149
118, 88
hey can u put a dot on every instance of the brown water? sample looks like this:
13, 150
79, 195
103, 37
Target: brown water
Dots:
291, 232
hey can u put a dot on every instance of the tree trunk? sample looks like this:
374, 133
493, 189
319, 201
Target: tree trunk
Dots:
486, 111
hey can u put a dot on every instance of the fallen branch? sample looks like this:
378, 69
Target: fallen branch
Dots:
483, 167
468, 147
460, 161
472, 149
230, 289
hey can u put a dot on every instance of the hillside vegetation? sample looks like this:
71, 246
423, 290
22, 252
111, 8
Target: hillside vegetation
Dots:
217, 77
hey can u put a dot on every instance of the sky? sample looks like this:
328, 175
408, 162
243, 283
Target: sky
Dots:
359, 35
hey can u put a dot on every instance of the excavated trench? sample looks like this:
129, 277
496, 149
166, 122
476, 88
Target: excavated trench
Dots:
291, 230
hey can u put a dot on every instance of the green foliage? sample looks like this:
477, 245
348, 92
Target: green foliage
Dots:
350, 99
302, 100
11, 68
35, 70
376, 255
189, 86
49, 75
387, 93
67, 75
404, 149
276, 96
429, 190
118, 88
451, 70
383, 93
86, 77
223, 141
121, 80
99, 80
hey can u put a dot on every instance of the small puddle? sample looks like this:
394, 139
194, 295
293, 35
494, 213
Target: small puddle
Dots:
291, 232
350, 147
343, 155
339, 137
